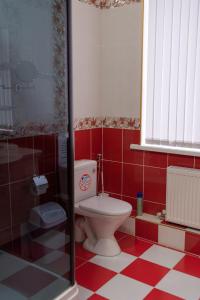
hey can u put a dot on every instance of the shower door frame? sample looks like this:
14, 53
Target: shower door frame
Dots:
72, 292
70, 144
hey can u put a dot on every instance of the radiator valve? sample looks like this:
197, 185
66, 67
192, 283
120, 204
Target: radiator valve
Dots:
162, 215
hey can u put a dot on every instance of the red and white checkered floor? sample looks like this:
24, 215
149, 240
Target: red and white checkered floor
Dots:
37, 269
142, 271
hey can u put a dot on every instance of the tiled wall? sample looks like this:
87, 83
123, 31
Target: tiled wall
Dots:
20, 159
166, 234
126, 172
88, 143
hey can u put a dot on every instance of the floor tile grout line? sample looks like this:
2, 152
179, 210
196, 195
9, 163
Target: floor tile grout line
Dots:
141, 281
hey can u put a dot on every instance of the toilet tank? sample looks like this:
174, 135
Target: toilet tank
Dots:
85, 179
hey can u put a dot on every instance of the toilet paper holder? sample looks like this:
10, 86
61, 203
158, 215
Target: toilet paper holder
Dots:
39, 185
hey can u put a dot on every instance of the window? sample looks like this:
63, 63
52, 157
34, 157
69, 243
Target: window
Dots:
171, 74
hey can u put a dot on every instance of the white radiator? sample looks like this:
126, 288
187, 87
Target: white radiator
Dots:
183, 196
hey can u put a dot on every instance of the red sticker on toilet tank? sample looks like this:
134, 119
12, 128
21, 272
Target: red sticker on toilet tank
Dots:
85, 182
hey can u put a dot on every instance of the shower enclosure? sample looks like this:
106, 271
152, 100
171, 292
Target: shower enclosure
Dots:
36, 153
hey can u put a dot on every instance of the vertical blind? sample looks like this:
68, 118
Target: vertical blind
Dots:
6, 114
172, 97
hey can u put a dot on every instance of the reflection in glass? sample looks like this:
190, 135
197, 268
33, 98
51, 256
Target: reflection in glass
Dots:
35, 233
32, 65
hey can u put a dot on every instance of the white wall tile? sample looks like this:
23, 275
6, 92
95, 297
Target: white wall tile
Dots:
171, 237
107, 54
86, 59
121, 31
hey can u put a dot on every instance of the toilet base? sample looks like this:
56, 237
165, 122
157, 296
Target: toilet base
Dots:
103, 247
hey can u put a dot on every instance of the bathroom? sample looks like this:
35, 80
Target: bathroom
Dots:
74, 86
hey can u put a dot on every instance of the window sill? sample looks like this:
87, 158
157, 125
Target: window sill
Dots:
164, 149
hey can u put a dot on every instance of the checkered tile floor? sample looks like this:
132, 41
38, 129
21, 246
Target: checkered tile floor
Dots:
142, 271
35, 268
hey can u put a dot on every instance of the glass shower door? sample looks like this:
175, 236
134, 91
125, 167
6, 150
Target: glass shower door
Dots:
36, 198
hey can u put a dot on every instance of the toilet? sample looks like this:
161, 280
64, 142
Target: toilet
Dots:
100, 215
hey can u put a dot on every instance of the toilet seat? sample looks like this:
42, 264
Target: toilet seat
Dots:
105, 205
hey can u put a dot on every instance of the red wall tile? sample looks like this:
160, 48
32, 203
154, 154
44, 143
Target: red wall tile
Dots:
83, 144
132, 202
4, 177
5, 236
180, 160
155, 184
192, 243
132, 180
45, 161
197, 162
131, 156
96, 142
22, 200
5, 214
117, 196
112, 176
146, 230
152, 208
23, 167
112, 144
155, 159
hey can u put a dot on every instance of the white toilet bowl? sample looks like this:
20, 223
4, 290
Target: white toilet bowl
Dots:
103, 215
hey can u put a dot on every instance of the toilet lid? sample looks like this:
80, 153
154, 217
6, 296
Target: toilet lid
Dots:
106, 205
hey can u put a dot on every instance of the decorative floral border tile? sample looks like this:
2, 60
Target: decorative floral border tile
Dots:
107, 122
40, 128
58, 20
121, 122
106, 4
88, 123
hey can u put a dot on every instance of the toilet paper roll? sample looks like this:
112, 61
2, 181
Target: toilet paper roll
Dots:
40, 185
